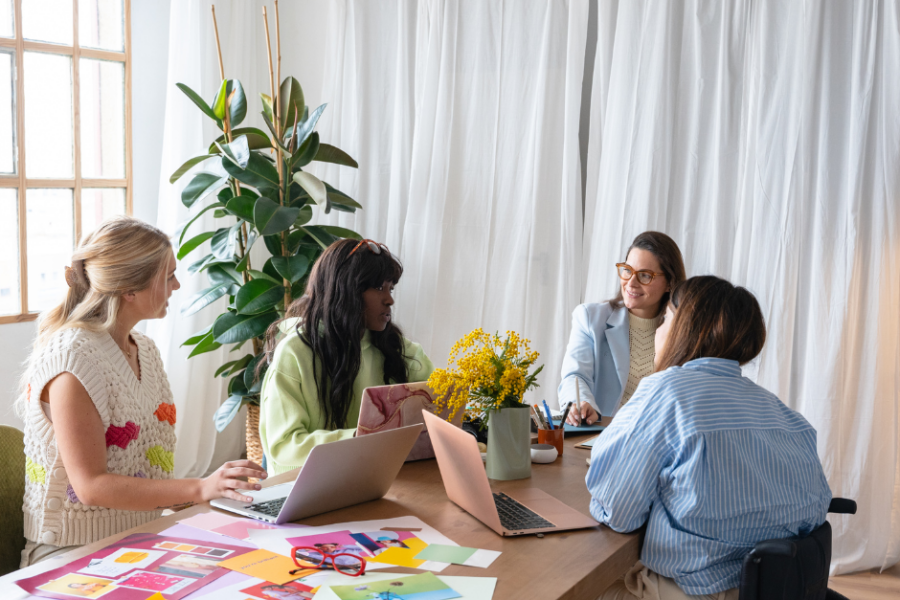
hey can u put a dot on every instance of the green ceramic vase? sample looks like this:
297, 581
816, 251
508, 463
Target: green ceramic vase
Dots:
509, 444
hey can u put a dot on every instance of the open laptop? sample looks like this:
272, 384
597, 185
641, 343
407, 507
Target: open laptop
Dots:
518, 512
335, 475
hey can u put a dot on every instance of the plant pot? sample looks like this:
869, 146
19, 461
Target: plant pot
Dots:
254, 444
509, 444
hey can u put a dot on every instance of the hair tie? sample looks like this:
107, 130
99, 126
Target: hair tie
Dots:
75, 274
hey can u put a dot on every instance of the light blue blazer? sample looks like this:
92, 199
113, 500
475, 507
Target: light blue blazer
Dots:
599, 355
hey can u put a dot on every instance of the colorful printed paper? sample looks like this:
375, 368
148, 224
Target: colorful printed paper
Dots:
405, 556
459, 555
134, 568
414, 587
469, 588
263, 564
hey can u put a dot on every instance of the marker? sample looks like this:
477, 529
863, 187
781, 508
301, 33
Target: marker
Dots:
549, 418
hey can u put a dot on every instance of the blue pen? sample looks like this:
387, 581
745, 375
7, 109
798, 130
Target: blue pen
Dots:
549, 418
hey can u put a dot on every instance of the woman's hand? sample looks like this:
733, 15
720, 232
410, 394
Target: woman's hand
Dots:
229, 478
588, 415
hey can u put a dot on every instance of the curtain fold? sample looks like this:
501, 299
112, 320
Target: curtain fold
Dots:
464, 118
765, 138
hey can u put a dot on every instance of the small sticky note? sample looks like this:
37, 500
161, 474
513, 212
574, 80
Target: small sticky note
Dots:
157, 596
459, 555
263, 564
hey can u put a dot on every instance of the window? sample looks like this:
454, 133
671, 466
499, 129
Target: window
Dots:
65, 139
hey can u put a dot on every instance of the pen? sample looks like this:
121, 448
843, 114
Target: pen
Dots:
534, 418
562, 422
578, 399
549, 418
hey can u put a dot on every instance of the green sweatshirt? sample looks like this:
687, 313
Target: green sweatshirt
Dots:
291, 420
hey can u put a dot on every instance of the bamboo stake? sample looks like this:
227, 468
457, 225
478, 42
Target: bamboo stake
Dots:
279, 159
244, 238
277, 45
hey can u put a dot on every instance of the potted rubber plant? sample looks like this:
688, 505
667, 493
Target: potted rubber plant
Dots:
261, 194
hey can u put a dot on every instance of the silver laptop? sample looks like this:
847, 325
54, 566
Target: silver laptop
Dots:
522, 511
335, 475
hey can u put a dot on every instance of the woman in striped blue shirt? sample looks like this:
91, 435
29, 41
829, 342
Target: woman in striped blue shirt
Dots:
711, 462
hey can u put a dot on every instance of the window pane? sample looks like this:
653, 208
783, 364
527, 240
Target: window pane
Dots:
49, 234
48, 115
9, 252
7, 20
47, 21
98, 204
101, 24
102, 118
7, 113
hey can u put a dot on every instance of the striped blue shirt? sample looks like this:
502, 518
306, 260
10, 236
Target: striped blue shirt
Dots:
713, 463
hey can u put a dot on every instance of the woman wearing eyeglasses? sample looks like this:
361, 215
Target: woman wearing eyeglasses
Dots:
611, 345
339, 338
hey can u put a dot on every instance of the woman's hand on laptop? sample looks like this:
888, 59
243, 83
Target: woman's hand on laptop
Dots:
229, 479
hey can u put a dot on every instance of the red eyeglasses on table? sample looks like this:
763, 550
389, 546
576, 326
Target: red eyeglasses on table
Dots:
307, 557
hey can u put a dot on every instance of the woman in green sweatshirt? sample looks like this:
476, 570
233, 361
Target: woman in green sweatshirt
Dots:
313, 387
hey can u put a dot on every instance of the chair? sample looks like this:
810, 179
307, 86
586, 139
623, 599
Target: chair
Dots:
12, 492
793, 568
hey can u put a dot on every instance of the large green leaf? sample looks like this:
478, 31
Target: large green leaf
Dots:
227, 411
254, 384
202, 184
232, 366
290, 102
238, 102
188, 165
256, 139
203, 299
304, 128
237, 151
242, 207
196, 99
202, 263
292, 268
340, 232
304, 217
307, 153
260, 173
190, 245
271, 218
313, 185
224, 242
258, 296
197, 337
230, 328
267, 106
322, 237
333, 154
244, 262
225, 274
207, 344
184, 228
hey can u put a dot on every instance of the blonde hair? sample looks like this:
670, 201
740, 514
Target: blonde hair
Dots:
122, 255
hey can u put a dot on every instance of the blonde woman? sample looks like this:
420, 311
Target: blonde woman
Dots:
98, 410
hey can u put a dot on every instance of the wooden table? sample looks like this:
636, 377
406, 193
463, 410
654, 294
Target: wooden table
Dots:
569, 565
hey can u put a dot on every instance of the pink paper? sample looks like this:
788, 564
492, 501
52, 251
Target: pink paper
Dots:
234, 527
144, 561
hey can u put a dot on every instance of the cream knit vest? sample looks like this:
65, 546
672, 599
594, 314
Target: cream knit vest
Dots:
140, 438
642, 350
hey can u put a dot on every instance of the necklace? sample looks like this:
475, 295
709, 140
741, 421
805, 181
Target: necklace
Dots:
127, 350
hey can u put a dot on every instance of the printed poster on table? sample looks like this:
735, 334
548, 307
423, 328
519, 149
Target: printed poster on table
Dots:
136, 567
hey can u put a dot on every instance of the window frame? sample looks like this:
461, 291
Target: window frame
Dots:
19, 181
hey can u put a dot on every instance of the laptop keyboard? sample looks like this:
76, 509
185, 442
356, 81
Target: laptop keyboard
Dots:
271, 507
514, 516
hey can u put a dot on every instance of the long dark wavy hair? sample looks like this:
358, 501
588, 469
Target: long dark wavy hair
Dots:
334, 301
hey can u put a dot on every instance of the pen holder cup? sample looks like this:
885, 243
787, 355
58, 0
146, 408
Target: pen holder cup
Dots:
554, 437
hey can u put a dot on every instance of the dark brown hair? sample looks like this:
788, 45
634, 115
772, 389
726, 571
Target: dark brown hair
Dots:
713, 319
667, 253
334, 301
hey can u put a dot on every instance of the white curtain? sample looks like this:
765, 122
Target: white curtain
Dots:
193, 61
464, 118
765, 138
